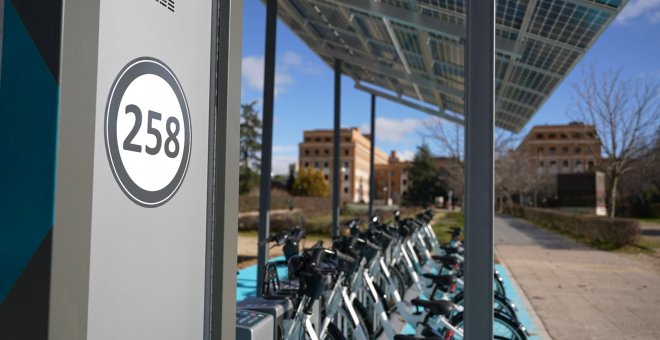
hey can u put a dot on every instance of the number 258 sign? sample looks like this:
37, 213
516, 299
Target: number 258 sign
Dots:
147, 132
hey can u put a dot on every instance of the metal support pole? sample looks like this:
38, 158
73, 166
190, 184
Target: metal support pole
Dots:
336, 173
479, 127
222, 285
372, 177
266, 141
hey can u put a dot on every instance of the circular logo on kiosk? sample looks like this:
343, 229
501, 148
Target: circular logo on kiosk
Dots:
147, 132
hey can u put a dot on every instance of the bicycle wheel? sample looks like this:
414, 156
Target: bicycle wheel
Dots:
334, 333
346, 326
498, 284
504, 328
399, 280
500, 304
403, 270
373, 322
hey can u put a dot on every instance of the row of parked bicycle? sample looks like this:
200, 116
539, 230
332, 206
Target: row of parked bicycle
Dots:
358, 286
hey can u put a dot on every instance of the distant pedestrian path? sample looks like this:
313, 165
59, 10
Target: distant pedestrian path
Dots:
579, 292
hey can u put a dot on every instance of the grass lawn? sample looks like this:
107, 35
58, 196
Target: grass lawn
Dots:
649, 219
444, 222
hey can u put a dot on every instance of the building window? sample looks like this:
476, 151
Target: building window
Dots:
327, 139
578, 166
539, 151
346, 152
564, 167
346, 177
552, 136
564, 150
326, 177
577, 135
346, 166
347, 139
307, 164
326, 151
590, 150
316, 152
317, 139
553, 150
316, 164
539, 136
306, 152
591, 165
325, 165
405, 182
346, 190
578, 150
541, 168
563, 136
553, 167
307, 139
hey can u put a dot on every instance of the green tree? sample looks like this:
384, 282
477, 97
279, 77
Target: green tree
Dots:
426, 184
250, 142
248, 179
250, 146
310, 182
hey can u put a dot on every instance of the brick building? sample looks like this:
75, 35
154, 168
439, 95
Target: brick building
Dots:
561, 149
316, 152
392, 179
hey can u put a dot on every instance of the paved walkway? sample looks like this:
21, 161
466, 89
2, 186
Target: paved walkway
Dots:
579, 292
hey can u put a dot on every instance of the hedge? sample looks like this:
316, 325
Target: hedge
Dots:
616, 232
311, 206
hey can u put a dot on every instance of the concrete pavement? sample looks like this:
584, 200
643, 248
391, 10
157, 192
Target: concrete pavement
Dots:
579, 292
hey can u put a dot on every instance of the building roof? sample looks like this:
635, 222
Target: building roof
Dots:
411, 51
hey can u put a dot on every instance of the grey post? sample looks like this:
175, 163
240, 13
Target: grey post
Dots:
225, 134
479, 126
372, 178
266, 141
336, 173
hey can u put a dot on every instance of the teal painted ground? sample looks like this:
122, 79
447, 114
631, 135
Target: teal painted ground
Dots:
247, 287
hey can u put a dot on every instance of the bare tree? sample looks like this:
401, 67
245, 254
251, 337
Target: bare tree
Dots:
449, 139
513, 175
624, 112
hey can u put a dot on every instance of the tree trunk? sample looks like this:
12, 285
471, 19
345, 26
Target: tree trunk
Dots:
613, 190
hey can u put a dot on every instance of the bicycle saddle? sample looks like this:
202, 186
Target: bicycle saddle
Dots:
436, 307
412, 337
441, 280
446, 260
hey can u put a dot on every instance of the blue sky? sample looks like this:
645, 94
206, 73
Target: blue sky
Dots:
304, 83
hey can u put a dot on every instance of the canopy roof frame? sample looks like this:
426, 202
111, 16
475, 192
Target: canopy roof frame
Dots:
415, 48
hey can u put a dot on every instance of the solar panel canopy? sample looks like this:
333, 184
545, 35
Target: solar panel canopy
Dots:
412, 51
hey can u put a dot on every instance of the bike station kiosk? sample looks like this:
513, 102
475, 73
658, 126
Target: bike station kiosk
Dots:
144, 177
123, 146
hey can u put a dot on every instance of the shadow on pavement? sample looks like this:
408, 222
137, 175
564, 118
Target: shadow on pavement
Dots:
650, 232
515, 231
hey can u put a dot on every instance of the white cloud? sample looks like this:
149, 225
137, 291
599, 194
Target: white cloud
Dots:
393, 130
291, 58
253, 74
288, 64
281, 164
295, 61
284, 148
407, 155
647, 10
